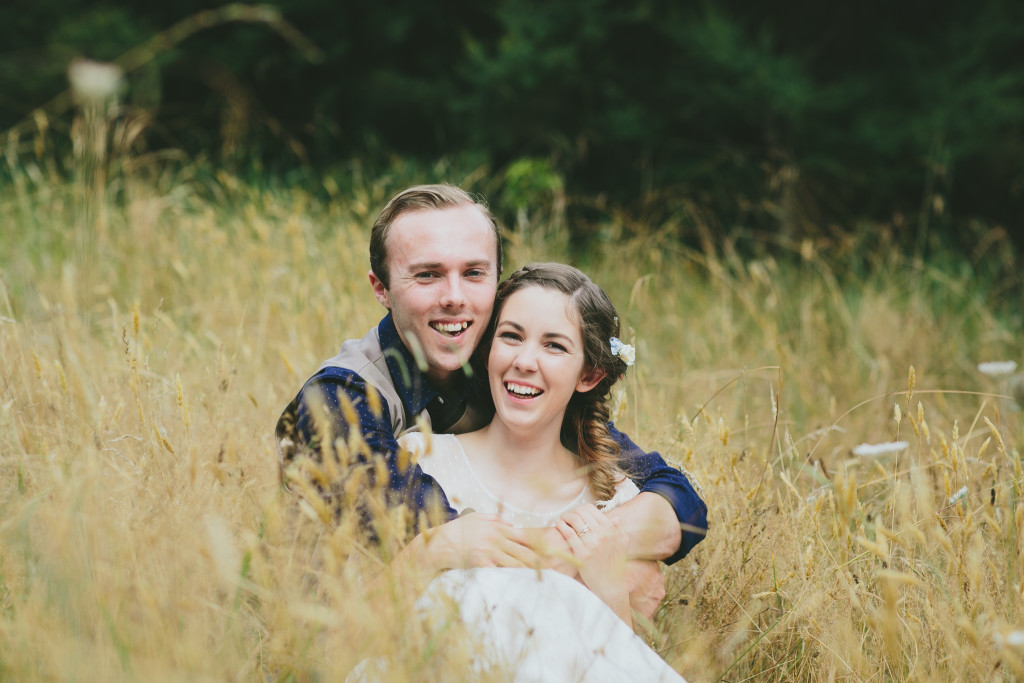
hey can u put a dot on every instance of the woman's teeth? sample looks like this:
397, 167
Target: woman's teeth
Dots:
521, 390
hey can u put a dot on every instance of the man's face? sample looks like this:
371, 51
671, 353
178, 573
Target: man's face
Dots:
443, 271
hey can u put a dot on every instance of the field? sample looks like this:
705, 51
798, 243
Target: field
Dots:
154, 324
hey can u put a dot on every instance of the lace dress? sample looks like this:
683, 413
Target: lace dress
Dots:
540, 625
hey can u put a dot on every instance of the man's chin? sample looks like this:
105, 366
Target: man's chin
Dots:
447, 363
446, 355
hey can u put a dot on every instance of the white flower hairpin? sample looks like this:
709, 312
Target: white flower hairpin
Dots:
624, 351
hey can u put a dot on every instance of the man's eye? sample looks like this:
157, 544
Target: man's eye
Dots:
425, 276
476, 273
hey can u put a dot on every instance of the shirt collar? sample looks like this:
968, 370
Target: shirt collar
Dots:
412, 385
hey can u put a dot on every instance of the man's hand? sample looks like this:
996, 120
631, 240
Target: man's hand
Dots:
478, 540
646, 584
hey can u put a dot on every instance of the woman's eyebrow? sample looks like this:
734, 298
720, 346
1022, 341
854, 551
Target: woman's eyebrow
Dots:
547, 335
558, 335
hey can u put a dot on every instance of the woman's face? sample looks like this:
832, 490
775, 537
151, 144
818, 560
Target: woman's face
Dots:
536, 359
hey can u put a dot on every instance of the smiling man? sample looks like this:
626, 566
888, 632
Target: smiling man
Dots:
435, 260
437, 277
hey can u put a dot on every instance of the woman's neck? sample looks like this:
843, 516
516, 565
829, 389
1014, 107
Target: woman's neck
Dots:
537, 452
531, 471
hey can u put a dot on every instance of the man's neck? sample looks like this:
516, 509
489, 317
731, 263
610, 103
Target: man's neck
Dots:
445, 382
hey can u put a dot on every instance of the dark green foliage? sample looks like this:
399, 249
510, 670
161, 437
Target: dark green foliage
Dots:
788, 119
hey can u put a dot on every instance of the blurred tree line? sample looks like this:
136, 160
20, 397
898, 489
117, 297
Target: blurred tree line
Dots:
793, 119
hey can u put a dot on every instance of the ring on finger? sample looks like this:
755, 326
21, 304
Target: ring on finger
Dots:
585, 529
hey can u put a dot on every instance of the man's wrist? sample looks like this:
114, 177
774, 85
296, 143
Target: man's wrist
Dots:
651, 524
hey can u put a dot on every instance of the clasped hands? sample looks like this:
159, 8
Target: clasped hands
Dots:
585, 543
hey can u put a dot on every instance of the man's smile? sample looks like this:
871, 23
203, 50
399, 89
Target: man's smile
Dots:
451, 329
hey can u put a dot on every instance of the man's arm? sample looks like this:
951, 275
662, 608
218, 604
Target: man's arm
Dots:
668, 518
331, 408
651, 525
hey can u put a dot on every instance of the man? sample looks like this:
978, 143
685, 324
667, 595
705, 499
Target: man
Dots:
435, 261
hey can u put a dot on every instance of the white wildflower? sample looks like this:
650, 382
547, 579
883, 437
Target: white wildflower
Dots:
958, 496
997, 368
94, 81
1015, 638
873, 450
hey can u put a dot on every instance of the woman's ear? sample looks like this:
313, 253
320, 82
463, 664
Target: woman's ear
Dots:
589, 379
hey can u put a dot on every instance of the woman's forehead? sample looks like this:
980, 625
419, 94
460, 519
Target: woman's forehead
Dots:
537, 303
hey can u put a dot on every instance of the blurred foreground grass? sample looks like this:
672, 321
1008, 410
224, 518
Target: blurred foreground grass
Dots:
151, 333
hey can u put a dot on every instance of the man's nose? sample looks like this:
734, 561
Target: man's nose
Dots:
453, 295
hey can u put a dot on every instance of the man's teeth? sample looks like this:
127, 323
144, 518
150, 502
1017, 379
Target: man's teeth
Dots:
521, 390
450, 328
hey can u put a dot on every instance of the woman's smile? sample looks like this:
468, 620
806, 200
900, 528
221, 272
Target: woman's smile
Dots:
520, 390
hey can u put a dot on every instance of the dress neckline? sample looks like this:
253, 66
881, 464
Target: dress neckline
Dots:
502, 504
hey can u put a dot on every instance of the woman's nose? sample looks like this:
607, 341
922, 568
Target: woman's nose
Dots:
526, 359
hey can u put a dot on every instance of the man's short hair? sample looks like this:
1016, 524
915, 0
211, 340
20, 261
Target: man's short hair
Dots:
417, 198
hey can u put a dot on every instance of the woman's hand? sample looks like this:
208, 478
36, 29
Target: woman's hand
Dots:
601, 550
476, 540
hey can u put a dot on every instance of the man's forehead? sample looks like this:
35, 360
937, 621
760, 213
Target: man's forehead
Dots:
434, 237
425, 218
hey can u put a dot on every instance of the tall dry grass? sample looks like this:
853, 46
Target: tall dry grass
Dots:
143, 533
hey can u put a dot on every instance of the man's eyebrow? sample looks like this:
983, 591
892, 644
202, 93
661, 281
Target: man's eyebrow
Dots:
424, 265
434, 265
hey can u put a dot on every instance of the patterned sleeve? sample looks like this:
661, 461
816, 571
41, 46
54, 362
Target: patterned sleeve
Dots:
321, 420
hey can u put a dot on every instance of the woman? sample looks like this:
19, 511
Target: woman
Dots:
546, 459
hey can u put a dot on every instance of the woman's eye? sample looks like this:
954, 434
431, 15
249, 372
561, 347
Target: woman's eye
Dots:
557, 347
509, 336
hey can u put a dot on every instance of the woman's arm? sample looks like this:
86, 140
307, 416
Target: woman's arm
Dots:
472, 540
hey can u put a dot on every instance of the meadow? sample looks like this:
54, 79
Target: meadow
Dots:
155, 320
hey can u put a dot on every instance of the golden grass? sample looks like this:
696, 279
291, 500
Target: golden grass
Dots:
143, 533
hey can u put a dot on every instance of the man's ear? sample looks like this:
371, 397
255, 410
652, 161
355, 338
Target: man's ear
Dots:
589, 379
379, 290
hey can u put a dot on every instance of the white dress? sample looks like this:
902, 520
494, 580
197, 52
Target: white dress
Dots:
541, 625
